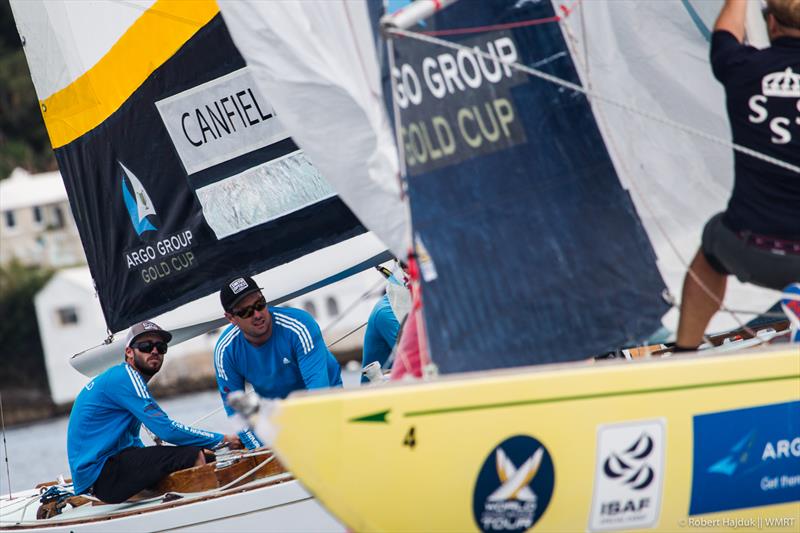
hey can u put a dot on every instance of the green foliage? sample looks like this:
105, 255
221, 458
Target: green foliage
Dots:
23, 137
22, 362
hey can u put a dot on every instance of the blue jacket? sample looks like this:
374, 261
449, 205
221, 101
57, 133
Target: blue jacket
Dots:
106, 418
293, 358
381, 334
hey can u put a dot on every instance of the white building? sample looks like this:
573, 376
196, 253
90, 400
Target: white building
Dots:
36, 224
70, 321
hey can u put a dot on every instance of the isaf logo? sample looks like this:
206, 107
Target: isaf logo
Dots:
137, 202
514, 486
628, 476
630, 466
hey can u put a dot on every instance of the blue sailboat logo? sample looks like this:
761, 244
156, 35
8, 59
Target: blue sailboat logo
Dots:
138, 202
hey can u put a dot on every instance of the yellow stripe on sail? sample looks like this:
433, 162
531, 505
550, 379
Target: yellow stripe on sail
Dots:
146, 45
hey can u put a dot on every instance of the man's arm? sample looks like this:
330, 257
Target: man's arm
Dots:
229, 380
133, 395
228, 377
309, 349
732, 18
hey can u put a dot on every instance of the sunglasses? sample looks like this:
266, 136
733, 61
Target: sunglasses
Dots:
147, 346
247, 312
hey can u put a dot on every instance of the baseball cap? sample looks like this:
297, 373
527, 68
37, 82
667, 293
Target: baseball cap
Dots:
235, 289
146, 327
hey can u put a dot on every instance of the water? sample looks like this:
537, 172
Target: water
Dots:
38, 452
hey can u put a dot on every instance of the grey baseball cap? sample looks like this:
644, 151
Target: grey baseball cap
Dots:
146, 327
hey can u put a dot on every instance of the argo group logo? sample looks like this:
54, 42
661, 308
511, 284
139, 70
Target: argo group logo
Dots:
137, 202
628, 476
514, 486
746, 458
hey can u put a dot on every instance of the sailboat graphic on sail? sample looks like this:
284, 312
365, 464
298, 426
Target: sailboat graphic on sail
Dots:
528, 197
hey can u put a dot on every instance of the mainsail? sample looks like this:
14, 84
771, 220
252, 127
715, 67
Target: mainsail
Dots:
178, 168
539, 252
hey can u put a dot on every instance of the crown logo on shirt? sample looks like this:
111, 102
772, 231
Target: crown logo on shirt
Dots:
784, 84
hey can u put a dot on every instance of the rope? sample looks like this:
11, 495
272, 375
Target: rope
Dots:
353, 305
7, 510
5, 445
631, 109
251, 471
343, 337
493, 27
602, 98
632, 179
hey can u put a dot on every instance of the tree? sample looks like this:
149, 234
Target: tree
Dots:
22, 365
23, 137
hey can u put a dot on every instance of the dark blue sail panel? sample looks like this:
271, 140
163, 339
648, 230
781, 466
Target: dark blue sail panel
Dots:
181, 187
539, 253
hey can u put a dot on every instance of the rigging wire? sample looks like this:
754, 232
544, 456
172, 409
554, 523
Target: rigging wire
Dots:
631, 109
655, 219
369, 292
602, 98
5, 445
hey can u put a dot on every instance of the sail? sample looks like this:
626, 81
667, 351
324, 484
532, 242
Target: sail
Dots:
538, 250
322, 75
631, 51
178, 167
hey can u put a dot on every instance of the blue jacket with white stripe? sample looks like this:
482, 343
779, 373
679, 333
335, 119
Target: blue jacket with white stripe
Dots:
293, 358
106, 418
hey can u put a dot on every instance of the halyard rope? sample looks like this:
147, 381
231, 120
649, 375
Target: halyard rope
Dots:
597, 96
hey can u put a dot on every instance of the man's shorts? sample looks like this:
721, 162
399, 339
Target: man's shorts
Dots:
135, 469
728, 253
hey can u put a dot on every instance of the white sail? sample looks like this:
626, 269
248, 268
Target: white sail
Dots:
144, 205
654, 57
321, 74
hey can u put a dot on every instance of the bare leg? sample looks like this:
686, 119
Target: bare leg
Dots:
697, 306
201, 459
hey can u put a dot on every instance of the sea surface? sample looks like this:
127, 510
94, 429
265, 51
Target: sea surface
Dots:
37, 452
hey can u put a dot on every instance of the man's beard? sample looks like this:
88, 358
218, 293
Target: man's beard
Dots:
140, 362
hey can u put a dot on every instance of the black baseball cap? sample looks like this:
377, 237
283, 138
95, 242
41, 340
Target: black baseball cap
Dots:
235, 289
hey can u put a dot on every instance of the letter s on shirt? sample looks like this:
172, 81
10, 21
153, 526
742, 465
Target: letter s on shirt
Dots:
777, 126
756, 106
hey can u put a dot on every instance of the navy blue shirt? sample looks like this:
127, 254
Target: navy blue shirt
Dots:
763, 101
293, 358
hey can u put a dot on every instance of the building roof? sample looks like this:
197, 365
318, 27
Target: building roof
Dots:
22, 189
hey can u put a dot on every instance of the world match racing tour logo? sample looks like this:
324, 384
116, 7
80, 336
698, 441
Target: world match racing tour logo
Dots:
159, 258
514, 486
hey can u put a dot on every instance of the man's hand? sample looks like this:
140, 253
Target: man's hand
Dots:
233, 441
732, 18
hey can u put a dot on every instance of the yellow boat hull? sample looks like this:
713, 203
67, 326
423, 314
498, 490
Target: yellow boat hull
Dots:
620, 440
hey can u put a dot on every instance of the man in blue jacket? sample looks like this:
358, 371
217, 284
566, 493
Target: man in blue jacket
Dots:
276, 349
106, 455
381, 334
